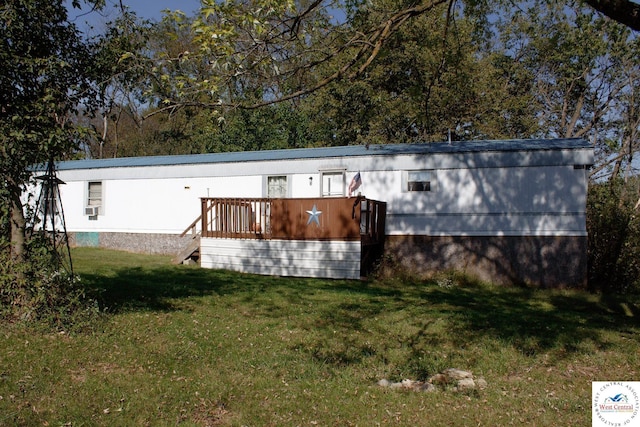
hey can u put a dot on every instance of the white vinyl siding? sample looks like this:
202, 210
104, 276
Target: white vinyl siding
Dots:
303, 258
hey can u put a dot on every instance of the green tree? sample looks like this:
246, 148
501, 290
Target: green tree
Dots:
613, 225
584, 71
429, 80
622, 139
572, 54
274, 40
46, 74
390, 71
121, 92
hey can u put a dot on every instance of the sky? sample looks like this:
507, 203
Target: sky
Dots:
146, 9
152, 9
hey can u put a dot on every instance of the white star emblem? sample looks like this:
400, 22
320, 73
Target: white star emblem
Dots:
314, 214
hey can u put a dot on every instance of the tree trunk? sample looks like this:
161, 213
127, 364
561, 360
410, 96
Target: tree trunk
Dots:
18, 224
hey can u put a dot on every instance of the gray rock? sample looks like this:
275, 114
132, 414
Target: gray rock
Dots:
427, 387
457, 374
481, 383
462, 380
466, 384
384, 383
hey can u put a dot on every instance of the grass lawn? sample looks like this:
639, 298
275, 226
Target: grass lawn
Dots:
187, 346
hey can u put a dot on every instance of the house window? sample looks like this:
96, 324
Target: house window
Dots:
276, 187
333, 184
93, 207
422, 180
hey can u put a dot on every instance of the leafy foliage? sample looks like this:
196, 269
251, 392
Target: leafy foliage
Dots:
44, 78
614, 236
385, 71
41, 292
47, 75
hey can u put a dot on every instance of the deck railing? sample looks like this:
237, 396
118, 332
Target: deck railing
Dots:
305, 219
236, 218
372, 220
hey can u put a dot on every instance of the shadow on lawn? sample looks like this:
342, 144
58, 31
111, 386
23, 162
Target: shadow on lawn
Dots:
533, 322
159, 287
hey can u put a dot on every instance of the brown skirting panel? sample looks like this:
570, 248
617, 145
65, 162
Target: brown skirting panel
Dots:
540, 261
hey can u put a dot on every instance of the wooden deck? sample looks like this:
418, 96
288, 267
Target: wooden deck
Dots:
294, 219
318, 237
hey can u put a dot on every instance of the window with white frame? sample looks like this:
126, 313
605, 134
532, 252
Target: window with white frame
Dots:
94, 205
419, 180
333, 183
276, 186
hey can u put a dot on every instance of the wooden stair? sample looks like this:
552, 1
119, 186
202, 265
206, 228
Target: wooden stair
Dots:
191, 252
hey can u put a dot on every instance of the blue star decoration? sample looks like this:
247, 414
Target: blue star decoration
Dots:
314, 215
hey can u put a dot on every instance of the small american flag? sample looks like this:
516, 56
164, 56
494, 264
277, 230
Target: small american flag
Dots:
355, 183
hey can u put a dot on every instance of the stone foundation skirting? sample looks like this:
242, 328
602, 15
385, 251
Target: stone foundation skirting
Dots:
158, 244
540, 261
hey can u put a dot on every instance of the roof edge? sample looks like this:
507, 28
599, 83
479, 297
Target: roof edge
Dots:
331, 152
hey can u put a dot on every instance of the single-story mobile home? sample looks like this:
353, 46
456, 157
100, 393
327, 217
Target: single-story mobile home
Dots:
509, 211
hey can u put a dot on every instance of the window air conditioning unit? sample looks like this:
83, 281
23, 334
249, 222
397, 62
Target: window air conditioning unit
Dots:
92, 210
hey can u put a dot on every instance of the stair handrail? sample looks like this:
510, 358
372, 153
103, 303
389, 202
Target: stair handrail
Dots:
192, 227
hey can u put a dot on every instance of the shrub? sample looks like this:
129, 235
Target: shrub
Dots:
40, 290
614, 237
